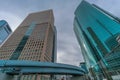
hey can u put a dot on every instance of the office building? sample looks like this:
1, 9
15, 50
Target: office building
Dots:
34, 39
5, 31
98, 34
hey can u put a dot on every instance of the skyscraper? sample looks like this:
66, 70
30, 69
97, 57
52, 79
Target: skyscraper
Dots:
97, 32
34, 39
5, 31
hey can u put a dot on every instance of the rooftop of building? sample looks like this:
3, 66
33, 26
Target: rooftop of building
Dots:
45, 16
2, 22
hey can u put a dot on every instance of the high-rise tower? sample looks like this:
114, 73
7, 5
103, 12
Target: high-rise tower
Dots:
98, 33
5, 31
34, 39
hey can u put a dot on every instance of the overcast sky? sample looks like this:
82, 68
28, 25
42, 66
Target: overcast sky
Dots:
68, 50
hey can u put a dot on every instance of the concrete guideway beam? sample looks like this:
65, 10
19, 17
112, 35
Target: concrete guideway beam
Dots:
33, 67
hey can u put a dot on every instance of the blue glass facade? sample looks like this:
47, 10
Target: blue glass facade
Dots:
97, 31
4, 30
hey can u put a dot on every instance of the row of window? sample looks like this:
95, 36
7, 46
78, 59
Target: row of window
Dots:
34, 58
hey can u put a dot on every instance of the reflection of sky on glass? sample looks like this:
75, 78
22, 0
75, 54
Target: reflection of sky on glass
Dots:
67, 47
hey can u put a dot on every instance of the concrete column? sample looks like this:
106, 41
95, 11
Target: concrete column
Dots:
4, 76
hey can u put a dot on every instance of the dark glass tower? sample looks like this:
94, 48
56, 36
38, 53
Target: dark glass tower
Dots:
98, 33
5, 31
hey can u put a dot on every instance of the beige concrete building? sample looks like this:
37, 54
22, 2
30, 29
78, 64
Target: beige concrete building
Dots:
34, 39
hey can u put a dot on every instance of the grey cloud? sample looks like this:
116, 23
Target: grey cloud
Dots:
70, 56
64, 15
69, 51
68, 47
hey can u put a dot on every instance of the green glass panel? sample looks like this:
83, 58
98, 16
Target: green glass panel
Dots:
22, 43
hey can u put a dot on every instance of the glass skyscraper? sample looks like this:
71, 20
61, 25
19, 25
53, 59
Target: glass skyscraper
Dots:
5, 31
98, 34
